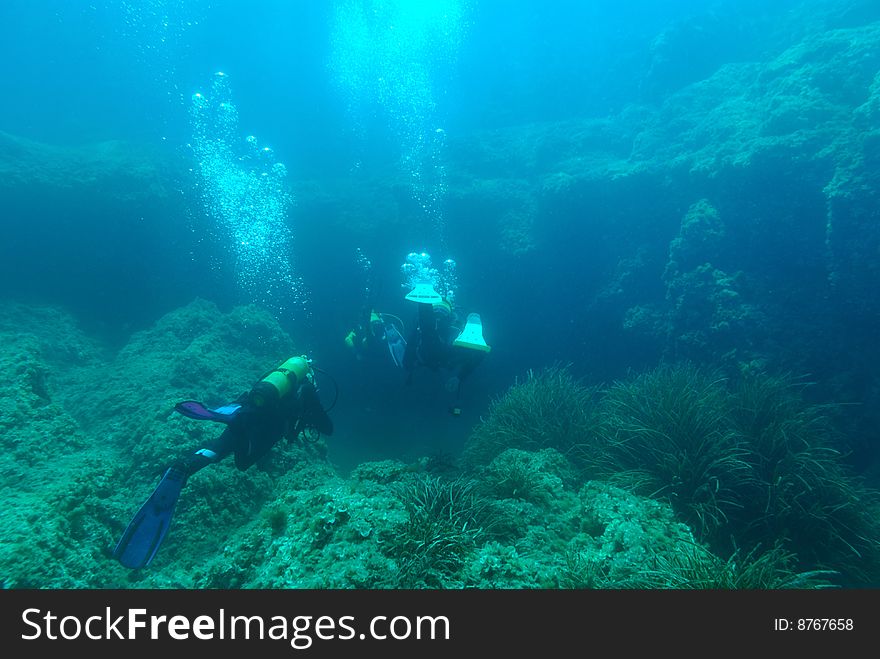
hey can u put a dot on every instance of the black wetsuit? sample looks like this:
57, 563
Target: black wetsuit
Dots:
255, 421
431, 344
256, 429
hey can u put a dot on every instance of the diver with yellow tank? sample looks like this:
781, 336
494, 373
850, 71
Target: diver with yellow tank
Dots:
283, 403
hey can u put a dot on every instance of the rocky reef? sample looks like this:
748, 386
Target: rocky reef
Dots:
88, 430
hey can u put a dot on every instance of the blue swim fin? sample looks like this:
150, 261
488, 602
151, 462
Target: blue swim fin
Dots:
396, 344
147, 529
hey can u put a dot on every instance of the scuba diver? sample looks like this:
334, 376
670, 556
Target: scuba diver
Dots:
283, 403
439, 340
374, 329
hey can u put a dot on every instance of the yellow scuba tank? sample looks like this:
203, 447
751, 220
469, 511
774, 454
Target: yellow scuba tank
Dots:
278, 383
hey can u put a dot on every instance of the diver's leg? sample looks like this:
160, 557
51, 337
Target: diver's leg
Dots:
144, 534
214, 451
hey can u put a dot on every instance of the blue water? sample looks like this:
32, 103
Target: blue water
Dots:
403, 100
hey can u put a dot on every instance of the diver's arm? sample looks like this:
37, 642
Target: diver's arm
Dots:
307, 412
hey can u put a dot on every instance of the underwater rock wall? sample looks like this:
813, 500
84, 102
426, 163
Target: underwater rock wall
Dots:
115, 169
101, 227
779, 148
